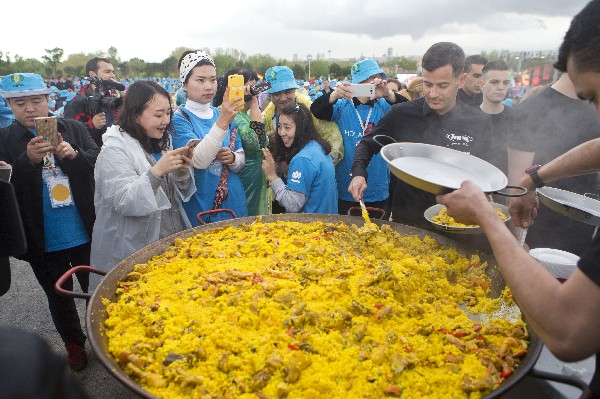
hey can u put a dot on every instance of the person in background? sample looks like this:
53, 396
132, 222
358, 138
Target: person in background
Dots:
414, 89
437, 118
69, 85
326, 86
218, 156
96, 120
54, 188
496, 79
283, 94
6, 115
310, 186
394, 85
564, 316
470, 90
140, 179
356, 117
251, 130
546, 125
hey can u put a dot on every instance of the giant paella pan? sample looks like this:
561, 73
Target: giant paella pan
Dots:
337, 312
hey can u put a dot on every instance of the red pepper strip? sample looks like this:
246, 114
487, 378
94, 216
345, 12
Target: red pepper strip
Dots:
459, 333
293, 347
506, 371
257, 278
379, 305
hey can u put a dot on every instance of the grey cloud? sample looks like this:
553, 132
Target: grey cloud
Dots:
385, 18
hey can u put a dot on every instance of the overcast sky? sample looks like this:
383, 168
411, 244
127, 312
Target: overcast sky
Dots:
151, 30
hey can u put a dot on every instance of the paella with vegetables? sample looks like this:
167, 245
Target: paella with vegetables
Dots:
308, 310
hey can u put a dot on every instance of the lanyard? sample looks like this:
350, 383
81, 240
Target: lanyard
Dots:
363, 125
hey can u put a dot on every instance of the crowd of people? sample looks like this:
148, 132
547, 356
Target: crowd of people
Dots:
136, 161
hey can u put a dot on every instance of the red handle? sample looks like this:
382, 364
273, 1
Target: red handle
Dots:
368, 208
62, 279
213, 211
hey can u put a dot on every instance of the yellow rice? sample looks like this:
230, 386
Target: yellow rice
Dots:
310, 310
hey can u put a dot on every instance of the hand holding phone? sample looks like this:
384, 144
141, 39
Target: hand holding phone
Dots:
236, 86
362, 90
47, 128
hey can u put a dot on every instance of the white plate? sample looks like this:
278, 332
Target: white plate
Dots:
560, 263
433, 211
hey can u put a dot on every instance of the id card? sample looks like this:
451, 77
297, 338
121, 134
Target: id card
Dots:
60, 192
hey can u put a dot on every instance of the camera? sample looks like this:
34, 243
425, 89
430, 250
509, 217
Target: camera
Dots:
100, 100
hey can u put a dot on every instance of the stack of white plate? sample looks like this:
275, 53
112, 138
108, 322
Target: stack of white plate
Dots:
560, 263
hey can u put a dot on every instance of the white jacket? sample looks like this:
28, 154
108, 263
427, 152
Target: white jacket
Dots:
128, 210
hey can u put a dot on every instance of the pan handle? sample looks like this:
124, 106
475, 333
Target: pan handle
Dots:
379, 137
211, 212
62, 279
563, 379
525, 191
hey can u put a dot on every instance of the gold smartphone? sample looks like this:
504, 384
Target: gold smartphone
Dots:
236, 86
47, 128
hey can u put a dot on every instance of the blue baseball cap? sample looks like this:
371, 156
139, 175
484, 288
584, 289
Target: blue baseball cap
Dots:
23, 85
364, 69
281, 78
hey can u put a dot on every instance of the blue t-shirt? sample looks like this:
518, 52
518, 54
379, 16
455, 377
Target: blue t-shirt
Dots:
344, 114
207, 179
312, 173
63, 227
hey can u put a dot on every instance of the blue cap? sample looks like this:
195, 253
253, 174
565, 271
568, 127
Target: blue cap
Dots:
281, 78
364, 69
23, 85
64, 93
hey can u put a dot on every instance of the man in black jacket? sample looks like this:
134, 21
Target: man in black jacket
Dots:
86, 106
437, 118
54, 186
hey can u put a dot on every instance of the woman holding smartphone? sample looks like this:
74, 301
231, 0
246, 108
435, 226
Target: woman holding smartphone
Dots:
218, 157
310, 186
251, 130
140, 179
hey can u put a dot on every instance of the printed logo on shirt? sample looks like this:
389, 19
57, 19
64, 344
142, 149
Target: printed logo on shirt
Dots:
457, 139
349, 133
296, 175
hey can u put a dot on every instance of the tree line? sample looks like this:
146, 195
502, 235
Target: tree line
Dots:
53, 63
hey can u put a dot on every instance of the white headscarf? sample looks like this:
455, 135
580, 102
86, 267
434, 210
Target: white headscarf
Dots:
190, 61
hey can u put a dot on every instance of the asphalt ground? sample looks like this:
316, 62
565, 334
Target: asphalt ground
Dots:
25, 306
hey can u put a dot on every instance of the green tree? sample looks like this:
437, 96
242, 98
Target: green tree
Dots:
299, 72
261, 62
52, 59
335, 70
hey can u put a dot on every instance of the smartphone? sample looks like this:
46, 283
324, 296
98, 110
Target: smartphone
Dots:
5, 172
47, 128
236, 86
363, 90
193, 143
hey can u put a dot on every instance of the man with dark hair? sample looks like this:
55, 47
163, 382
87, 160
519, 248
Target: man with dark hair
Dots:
565, 316
496, 79
436, 118
54, 186
470, 91
96, 117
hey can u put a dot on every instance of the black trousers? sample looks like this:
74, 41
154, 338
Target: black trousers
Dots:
48, 268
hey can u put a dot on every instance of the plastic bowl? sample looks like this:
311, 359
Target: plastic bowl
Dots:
560, 263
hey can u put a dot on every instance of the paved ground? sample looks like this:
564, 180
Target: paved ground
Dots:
25, 306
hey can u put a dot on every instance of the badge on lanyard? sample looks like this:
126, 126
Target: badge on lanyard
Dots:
60, 192
59, 188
